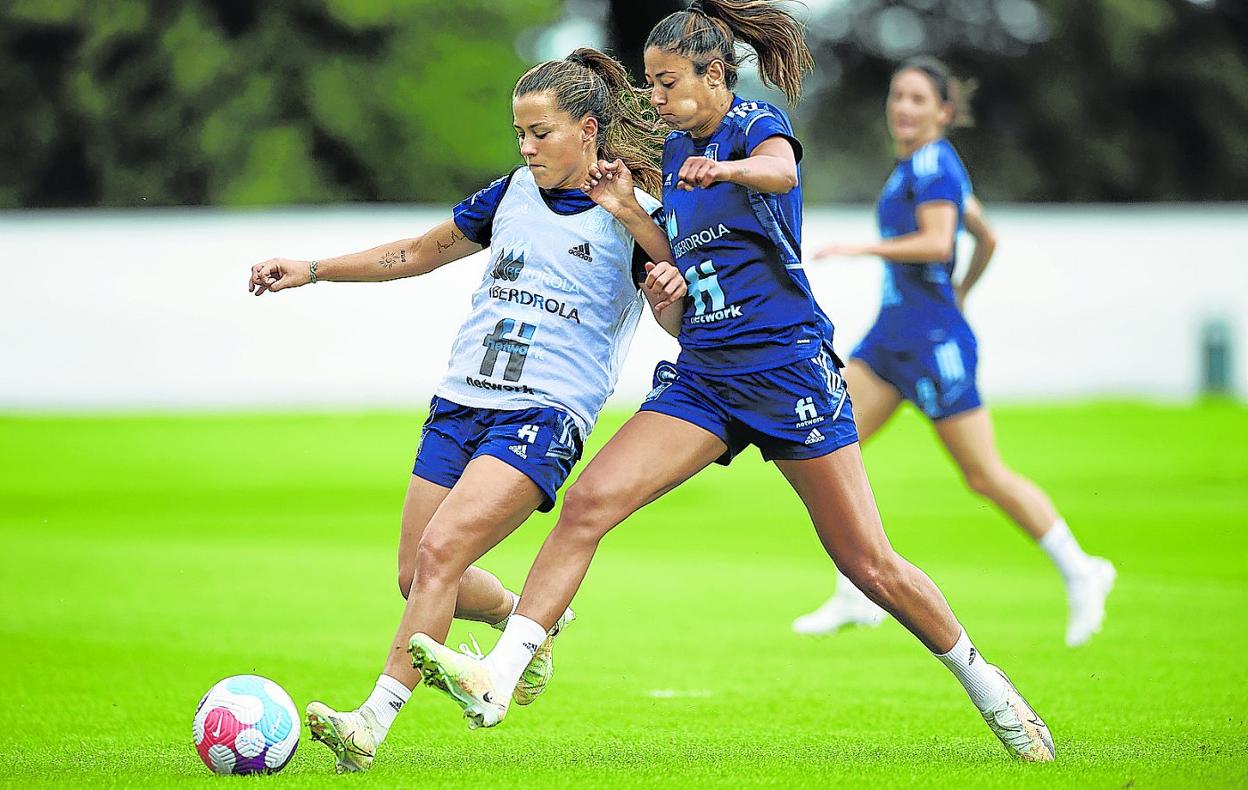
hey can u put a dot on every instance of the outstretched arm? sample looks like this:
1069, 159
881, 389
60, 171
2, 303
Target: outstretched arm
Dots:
985, 245
439, 246
931, 243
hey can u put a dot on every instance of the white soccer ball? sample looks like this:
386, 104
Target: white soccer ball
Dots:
246, 724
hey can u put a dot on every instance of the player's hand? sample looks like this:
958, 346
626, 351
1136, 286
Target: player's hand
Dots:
839, 251
610, 185
277, 274
664, 285
698, 171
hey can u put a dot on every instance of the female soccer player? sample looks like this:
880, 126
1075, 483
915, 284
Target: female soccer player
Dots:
922, 350
755, 368
532, 366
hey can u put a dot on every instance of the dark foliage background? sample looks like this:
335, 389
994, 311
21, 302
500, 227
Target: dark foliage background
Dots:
133, 102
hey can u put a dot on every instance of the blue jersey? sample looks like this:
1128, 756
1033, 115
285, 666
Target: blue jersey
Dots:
921, 294
750, 306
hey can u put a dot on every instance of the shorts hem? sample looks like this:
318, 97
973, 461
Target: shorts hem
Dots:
549, 495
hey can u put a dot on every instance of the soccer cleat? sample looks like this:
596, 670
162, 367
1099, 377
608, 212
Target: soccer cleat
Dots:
542, 667
1020, 729
349, 735
843, 609
1086, 595
464, 678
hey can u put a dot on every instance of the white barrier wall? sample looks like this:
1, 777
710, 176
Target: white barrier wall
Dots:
149, 309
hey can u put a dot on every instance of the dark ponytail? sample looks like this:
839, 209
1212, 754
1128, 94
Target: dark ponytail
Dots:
709, 29
589, 82
950, 89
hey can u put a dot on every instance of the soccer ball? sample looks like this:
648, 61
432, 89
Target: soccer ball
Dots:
246, 724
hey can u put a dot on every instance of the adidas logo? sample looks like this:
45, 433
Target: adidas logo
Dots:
532, 648
583, 252
521, 450
971, 660
814, 436
398, 706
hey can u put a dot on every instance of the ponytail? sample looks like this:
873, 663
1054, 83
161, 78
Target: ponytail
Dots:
589, 82
709, 30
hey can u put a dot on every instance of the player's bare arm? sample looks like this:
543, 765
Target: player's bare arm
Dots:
441, 245
985, 246
932, 242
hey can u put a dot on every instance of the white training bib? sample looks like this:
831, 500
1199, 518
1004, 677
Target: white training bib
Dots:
555, 311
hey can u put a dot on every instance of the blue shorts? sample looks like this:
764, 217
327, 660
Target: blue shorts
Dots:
934, 371
542, 443
792, 413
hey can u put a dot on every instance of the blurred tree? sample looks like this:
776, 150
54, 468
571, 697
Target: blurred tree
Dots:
1078, 100
134, 102
228, 101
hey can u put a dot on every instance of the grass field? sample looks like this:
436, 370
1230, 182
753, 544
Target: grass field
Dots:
145, 558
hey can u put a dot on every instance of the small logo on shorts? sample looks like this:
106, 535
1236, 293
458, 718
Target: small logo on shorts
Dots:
528, 433
814, 436
521, 450
807, 413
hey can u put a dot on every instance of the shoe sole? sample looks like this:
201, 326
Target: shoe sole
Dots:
323, 731
434, 676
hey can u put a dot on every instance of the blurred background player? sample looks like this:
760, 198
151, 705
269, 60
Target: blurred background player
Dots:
540, 352
755, 367
921, 348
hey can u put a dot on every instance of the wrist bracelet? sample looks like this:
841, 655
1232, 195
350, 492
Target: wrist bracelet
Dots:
312, 270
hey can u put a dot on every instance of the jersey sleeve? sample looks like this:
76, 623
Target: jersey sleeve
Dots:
640, 257
938, 178
474, 216
767, 122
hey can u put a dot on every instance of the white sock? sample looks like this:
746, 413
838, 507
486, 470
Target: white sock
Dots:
980, 679
501, 625
1060, 544
515, 648
388, 698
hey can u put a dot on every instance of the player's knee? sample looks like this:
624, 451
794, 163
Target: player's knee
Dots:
439, 558
588, 510
984, 481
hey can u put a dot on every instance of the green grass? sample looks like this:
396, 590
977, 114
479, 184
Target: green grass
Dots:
144, 558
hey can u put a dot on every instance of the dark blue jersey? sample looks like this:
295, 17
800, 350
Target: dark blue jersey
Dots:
750, 305
921, 294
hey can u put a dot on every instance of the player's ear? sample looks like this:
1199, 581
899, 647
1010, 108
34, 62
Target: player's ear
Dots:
715, 73
589, 128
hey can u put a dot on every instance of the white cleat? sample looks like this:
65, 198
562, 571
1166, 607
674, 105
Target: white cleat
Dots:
1086, 595
541, 667
841, 610
463, 678
348, 734
1021, 731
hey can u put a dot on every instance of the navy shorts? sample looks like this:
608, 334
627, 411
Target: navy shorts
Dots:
935, 371
542, 443
792, 413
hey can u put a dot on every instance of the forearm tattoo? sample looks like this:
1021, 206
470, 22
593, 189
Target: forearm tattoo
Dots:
390, 259
456, 236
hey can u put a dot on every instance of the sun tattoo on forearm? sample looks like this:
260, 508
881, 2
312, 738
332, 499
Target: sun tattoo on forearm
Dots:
390, 259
